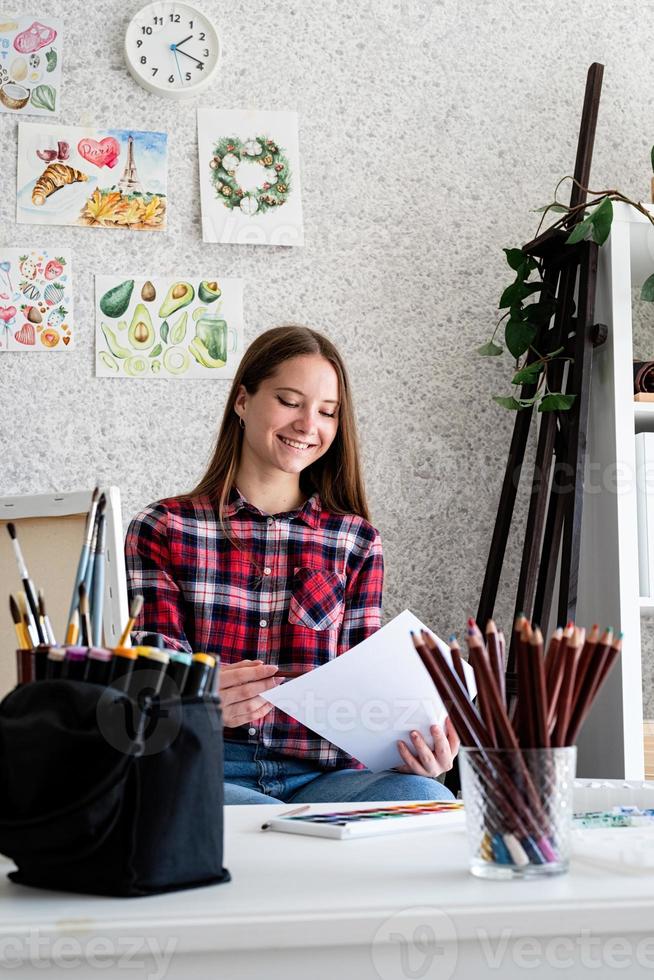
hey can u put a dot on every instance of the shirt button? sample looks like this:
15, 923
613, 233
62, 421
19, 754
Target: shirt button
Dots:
252, 731
263, 622
270, 521
267, 571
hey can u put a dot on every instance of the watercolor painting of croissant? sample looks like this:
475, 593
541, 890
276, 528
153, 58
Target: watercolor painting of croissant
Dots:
70, 175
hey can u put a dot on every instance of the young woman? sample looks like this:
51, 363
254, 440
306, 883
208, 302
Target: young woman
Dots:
271, 564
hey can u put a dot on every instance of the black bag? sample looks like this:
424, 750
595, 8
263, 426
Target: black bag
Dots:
102, 795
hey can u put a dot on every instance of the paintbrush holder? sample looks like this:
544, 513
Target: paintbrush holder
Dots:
519, 808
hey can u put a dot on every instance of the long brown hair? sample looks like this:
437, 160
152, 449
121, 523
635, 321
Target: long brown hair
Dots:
336, 475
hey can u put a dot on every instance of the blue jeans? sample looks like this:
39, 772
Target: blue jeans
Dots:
253, 774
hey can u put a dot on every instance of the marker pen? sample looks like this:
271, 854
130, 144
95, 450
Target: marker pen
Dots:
199, 676
154, 662
98, 666
74, 666
178, 668
55, 663
122, 663
41, 660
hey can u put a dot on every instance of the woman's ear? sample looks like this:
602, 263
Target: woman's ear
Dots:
240, 401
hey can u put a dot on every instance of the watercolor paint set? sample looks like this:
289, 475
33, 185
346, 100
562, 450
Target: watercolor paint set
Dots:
373, 821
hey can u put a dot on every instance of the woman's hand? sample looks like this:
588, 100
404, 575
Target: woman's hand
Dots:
240, 686
424, 760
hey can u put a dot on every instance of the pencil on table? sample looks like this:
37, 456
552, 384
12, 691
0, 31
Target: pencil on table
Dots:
135, 608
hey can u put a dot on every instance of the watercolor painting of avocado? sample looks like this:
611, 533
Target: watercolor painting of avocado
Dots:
250, 177
30, 64
36, 300
99, 178
160, 327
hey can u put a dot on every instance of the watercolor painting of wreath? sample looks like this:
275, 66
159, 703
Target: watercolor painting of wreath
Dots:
228, 155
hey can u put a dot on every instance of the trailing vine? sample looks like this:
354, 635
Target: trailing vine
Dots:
530, 303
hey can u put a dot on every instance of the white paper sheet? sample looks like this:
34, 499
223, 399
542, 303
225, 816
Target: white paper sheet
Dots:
371, 696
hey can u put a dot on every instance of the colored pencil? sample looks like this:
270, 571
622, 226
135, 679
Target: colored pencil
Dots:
555, 694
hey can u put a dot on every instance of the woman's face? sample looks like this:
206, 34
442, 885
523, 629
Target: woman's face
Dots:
292, 420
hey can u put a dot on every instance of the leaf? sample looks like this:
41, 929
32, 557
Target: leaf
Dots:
132, 213
103, 207
555, 208
519, 335
515, 257
541, 312
534, 287
527, 375
601, 219
580, 232
152, 212
647, 292
512, 295
556, 401
509, 403
490, 349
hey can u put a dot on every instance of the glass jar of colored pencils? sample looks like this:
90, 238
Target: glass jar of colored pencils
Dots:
519, 808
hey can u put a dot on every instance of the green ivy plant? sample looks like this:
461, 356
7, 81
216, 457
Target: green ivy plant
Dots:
529, 302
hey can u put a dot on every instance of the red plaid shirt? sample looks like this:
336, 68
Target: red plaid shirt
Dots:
301, 588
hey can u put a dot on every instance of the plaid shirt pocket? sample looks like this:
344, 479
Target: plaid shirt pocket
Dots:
317, 600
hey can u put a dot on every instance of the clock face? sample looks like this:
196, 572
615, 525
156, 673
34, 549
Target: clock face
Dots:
172, 48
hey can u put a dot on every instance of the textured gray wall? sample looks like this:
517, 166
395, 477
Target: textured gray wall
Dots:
427, 131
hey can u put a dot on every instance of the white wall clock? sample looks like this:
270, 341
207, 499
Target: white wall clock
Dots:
172, 49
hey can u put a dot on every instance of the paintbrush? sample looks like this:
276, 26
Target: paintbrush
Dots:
30, 591
85, 616
23, 637
84, 554
97, 596
90, 565
45, 619
135, 608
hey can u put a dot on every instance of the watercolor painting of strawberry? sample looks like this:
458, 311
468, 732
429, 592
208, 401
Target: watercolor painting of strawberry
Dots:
56, 317
54, 268
28, 267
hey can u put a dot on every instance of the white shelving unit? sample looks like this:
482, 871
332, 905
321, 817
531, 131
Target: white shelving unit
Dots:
611, 743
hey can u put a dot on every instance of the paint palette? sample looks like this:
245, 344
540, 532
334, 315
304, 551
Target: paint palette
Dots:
374, 821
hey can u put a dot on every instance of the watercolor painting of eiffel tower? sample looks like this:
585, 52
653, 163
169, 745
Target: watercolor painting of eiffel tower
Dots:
129, 182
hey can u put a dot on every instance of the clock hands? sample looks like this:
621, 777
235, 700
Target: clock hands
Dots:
179, 43
179, 70
197, 60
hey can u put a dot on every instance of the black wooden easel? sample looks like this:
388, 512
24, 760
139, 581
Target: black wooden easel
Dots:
553, 524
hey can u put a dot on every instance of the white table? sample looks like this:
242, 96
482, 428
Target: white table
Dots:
386, 908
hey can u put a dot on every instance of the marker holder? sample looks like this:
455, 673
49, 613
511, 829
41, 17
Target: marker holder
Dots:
103, 794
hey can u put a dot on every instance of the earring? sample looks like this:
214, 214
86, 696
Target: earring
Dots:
241, 421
